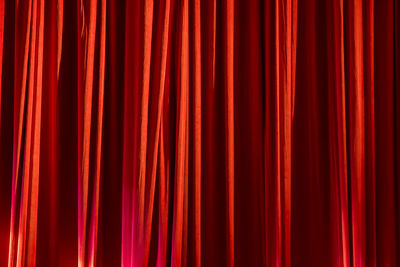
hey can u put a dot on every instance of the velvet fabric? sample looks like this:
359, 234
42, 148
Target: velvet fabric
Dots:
200, 133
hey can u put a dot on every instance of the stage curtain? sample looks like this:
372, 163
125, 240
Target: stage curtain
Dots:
200, 133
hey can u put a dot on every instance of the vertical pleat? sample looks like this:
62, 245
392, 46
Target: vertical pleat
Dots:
386, 219
197, 130
87, 117
23, 22
283, 33
147, 38
337, 139
162, 174
6, 125
95, 204
26, 170
249, 225
310, 150
130, 127
229, 128
288, 103
356, 124
180, 177
110, 209
397, 114
267, 10
34, 191
277, 151
49, 156
210, 202
81, 34
370, 169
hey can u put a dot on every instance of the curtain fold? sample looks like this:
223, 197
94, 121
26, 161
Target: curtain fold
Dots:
199, 133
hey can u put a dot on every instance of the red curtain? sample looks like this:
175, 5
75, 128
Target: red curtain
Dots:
200, 133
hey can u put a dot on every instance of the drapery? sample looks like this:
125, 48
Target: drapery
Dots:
200, 133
